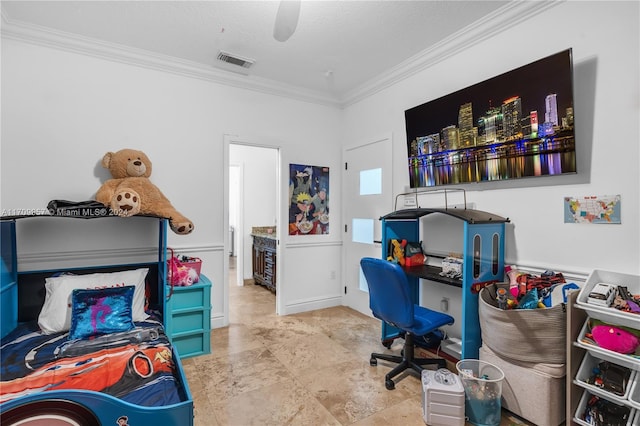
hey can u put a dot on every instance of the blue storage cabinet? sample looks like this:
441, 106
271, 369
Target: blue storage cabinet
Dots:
188, 318
483, 262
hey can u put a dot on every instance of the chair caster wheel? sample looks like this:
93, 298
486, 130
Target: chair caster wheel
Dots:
389, 384
387, 343
373, 362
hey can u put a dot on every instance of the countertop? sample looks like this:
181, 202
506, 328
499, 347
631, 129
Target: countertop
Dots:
264, 232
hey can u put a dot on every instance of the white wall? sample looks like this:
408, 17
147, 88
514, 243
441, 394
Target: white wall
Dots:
605, 41
61, 111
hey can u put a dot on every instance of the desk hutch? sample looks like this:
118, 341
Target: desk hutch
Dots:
483, 248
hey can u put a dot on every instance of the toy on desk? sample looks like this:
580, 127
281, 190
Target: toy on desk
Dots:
452, 267
413, 254
396, 251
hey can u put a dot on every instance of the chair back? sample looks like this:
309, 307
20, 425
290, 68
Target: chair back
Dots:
389, 292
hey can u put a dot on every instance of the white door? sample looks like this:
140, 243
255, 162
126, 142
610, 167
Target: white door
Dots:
368, 181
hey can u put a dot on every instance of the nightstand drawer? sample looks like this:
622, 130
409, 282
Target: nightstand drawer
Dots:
193, 344
193, 296
187, 321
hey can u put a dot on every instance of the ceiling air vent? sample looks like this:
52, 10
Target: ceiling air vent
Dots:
235, 59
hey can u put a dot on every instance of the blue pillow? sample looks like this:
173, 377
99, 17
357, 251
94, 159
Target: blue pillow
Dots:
101, 311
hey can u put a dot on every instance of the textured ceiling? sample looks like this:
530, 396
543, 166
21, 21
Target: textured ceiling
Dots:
337, 47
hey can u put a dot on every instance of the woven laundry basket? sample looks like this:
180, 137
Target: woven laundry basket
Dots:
528, 335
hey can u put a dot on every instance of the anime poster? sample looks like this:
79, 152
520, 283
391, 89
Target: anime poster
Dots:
308, 200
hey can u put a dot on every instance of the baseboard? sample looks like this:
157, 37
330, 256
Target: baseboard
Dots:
299, 306
217, 322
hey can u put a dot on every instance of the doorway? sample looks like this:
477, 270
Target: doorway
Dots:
253, 200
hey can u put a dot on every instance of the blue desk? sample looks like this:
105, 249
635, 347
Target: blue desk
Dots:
483, 261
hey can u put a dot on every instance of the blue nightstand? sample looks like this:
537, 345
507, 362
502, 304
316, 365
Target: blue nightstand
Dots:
188, 321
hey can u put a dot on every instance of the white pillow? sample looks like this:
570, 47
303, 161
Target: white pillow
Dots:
55, 315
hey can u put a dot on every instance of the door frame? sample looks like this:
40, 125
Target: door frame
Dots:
239, 225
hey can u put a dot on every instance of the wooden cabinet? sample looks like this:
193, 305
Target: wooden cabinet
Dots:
188, 318
264, 261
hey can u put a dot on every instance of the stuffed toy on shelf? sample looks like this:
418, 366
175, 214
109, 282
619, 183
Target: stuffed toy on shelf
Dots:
130, 191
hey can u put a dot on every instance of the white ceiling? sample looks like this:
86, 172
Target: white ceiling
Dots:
338, 46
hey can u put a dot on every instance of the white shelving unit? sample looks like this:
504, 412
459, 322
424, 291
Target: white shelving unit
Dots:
583, 356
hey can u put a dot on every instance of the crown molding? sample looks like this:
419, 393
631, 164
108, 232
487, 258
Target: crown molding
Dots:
47, 37
509, 15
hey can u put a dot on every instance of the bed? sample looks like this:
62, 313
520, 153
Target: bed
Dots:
87, 345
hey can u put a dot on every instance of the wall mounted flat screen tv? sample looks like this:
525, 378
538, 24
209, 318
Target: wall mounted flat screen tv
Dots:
515, 125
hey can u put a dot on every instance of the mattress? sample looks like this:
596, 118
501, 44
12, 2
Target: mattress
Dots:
135, 366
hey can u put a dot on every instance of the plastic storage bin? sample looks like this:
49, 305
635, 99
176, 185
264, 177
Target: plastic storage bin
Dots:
589, 362
609, 314
605, 354
482, 383
580, 411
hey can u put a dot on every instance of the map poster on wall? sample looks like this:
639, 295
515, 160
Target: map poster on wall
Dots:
592, 209
308, 200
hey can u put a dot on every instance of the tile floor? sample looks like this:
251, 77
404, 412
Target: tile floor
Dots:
305, 369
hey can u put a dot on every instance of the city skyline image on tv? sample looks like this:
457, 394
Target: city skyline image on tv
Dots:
515, 125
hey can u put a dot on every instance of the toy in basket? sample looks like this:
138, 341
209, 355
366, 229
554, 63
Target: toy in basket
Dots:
183, 270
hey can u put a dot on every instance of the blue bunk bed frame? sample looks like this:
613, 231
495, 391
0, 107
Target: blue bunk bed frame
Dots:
89, 407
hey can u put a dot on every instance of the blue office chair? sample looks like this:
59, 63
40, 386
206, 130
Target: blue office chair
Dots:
390, 300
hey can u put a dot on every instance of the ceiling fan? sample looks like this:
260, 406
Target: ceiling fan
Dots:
286, 19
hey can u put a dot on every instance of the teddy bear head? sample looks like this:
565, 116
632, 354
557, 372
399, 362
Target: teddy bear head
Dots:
127, 163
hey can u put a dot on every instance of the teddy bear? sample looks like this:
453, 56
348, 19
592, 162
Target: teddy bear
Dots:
130, 191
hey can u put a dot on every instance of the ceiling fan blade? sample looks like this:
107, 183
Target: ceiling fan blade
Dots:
286, 19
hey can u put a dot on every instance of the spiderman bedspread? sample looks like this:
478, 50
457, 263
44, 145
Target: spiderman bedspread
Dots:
134, 366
